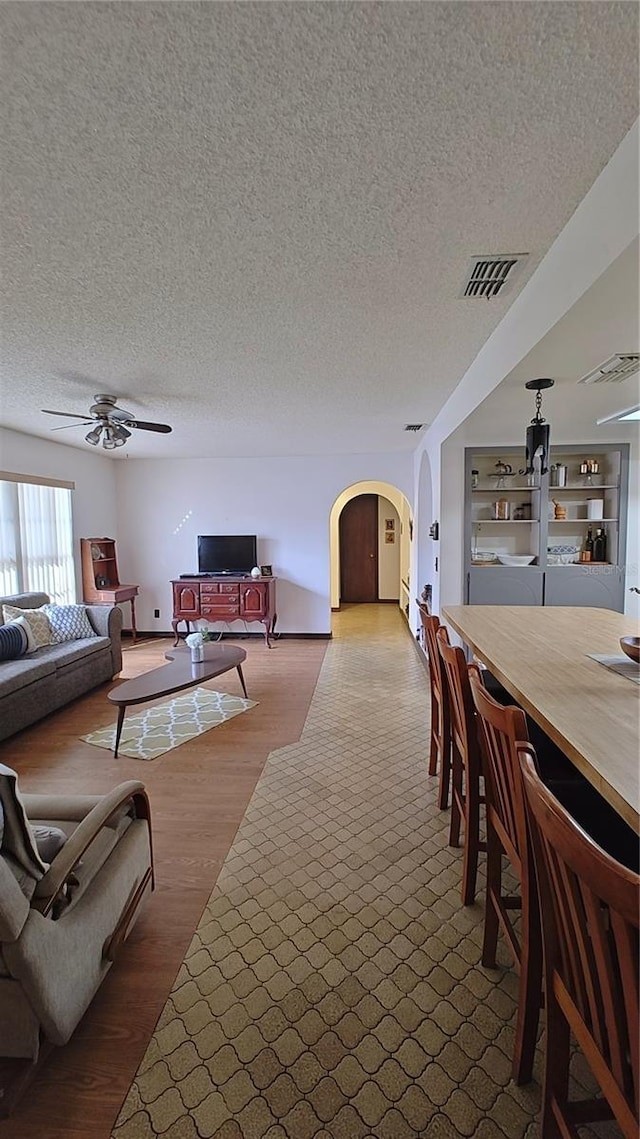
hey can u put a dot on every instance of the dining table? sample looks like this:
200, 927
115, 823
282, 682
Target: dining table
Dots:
544, 657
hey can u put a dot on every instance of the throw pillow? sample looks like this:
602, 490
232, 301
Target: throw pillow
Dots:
13, 642
22, 623
49, 840
37, 620
69, 623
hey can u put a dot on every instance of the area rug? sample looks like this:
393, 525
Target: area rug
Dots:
156, 730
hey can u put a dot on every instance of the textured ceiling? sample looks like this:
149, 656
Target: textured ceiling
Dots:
253, 220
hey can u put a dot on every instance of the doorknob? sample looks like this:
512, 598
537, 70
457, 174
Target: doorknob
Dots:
372, 555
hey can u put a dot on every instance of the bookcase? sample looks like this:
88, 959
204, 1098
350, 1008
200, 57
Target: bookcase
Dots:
101, 583
511, 520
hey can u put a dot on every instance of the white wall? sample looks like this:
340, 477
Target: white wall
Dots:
287, 502
94, 497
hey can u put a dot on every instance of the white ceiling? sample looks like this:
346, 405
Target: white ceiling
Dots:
252, 220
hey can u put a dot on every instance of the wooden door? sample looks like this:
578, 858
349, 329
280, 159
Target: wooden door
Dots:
358, 530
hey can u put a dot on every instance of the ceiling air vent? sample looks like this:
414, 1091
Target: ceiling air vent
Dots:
414, 426
615, 369
488, 276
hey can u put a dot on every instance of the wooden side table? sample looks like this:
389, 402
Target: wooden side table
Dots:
115, 596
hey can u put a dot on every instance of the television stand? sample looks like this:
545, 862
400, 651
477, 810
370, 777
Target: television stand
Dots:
224, 597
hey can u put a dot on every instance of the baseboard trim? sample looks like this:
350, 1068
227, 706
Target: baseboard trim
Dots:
141, 635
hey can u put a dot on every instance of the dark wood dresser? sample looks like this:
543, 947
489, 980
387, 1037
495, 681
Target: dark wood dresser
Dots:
225, 598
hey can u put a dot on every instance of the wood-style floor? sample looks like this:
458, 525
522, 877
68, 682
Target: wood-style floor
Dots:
199, 793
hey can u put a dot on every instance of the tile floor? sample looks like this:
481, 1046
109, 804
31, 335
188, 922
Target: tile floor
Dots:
332, 989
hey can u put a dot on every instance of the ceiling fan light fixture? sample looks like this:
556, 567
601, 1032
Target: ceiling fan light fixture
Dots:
109, 439
93, 436
120, 435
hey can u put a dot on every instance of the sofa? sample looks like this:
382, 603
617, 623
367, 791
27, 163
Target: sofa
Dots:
33, 686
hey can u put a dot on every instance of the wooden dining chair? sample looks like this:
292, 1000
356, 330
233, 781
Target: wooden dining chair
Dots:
465, 764
499, 729
440, 742
589, 906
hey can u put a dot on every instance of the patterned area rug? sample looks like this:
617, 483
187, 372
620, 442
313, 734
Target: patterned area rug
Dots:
333, 988
158, 729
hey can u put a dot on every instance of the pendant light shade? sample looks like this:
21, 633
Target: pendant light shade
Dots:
538, 431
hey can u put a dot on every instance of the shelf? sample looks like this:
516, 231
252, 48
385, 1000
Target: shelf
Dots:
504, 489
507, 521
596, 486
590, 521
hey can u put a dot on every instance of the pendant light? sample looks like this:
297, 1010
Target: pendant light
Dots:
538, 431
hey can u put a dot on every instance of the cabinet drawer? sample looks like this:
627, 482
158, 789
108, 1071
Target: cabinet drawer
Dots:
220, 587
223, 609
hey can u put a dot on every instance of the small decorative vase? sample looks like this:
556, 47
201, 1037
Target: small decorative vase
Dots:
197, 653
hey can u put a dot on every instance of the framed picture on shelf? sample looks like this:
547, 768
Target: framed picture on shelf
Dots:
389, 537
266, 571
389, 523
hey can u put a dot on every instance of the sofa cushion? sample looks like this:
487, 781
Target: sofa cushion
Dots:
13, 641
38, 622
73, 652
68, 622
16, 674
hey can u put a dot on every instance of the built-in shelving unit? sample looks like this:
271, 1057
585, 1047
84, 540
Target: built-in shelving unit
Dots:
531, 530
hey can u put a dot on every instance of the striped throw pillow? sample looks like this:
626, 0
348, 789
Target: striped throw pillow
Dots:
13, 642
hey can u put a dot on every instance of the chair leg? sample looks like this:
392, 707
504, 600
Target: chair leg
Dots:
435, 729
456, 797
471, 845
494, 891
530, 992
445, 776
556, 1066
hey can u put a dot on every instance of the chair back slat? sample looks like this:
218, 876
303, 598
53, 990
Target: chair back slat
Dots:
499, 727
432, 626
590, 907
463, 715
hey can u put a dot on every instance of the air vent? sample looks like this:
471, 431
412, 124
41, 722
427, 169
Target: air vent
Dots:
614, 370
488, 276
414, 426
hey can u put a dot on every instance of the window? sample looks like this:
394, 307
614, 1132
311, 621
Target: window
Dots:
36, 539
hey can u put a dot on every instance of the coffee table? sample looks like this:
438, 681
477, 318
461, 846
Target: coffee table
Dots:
180, 673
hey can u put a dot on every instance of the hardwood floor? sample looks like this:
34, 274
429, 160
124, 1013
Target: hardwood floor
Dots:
198, 795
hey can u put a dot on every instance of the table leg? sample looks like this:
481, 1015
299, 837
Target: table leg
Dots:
244, 687
121, 711
133, 620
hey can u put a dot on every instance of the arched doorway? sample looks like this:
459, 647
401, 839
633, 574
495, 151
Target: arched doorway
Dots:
393, 547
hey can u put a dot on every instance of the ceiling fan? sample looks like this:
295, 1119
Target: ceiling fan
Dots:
111, 423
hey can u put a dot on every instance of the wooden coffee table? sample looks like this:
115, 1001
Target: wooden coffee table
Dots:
180, 673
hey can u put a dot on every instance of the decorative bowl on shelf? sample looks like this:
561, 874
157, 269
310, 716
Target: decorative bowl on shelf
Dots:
516, 559
483, 558
631, 646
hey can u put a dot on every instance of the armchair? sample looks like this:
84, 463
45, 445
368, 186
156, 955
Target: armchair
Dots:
62, 923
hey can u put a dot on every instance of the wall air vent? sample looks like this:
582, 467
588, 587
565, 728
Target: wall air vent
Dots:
489, 276
614, 370
414, 426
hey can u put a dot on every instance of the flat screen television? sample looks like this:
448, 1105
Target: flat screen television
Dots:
226, 553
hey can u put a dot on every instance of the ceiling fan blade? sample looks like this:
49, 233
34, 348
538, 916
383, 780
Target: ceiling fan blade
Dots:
68, 415
66, 426
162, 428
